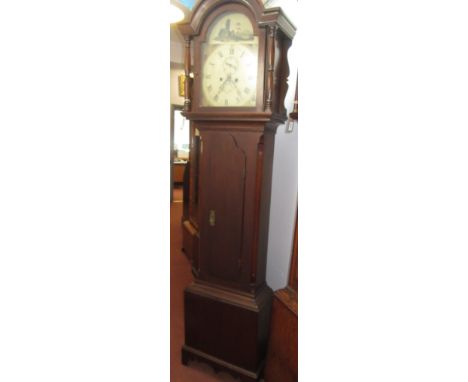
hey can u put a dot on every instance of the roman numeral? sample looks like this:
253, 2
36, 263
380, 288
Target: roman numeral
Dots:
231, 50
226, 102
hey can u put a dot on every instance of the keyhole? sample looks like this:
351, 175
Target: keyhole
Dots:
212, 218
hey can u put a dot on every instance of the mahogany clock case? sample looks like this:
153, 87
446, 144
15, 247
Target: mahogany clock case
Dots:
227, 308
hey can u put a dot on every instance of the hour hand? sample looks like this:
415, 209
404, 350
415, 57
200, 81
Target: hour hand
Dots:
220, 89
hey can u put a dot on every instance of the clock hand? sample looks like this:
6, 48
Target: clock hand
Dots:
231, 65
220, 89
239, 93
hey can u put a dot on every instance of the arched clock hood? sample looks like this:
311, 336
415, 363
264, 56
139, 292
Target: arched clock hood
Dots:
264, 16
276, 32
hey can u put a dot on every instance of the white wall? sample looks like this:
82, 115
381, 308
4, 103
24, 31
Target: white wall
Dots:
285, 178
177, 49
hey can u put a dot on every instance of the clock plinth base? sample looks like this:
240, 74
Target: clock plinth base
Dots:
227, 329
189, 354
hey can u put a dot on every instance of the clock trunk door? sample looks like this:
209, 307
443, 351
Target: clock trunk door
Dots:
221, 239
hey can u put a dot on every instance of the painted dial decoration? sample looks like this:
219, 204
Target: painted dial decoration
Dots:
230, 61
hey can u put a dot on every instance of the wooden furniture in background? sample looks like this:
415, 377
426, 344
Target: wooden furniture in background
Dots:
239, 53
281, 363
179, 169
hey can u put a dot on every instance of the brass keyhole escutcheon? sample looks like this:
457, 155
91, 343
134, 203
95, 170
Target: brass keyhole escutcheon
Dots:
212, 218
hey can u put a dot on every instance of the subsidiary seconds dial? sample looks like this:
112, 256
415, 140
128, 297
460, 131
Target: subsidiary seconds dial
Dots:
229, 76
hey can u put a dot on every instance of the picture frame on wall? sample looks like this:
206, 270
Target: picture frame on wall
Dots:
181, 80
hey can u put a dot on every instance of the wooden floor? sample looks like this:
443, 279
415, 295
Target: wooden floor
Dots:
181, 276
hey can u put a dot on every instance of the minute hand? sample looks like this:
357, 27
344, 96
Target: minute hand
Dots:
239, 93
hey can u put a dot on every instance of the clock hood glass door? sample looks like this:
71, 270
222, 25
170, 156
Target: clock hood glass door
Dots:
230, 62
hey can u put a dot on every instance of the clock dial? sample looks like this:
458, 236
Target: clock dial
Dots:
230, 75
230, 62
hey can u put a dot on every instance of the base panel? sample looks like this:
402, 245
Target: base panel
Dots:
189, 354
227, 330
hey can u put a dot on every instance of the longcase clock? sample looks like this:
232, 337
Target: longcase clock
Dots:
236, 79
